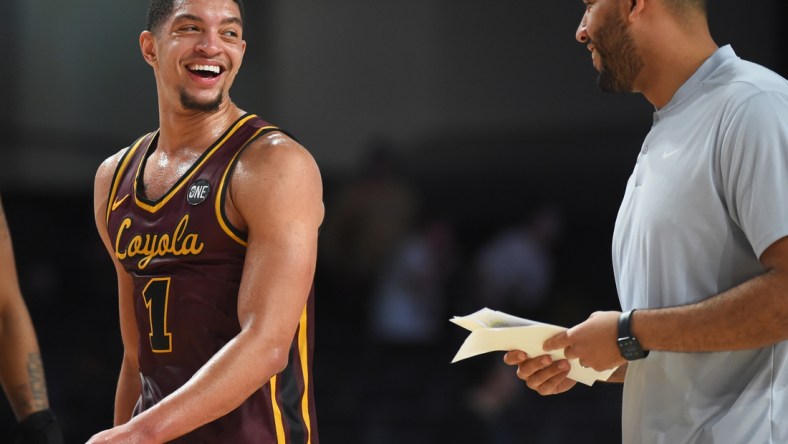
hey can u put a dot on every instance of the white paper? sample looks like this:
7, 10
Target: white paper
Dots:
497, 331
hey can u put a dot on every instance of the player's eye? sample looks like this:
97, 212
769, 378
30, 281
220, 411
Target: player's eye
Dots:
188, 28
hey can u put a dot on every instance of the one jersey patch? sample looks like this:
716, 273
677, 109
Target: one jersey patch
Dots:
198, 192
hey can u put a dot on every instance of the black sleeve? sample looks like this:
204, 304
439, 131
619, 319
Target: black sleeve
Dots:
39, 428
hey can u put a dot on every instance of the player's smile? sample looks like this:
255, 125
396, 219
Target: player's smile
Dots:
205, 73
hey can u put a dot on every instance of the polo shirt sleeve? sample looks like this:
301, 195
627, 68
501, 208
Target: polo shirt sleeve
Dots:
754, 168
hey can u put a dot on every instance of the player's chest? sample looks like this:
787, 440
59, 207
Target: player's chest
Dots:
160, 173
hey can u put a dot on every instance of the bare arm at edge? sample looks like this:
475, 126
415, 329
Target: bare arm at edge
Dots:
21, 367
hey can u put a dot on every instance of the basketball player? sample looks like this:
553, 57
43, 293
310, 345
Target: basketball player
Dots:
700, 247
212, 223
21, 368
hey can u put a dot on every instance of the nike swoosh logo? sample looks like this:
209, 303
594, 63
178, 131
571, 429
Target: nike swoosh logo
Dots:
117, 202
668, 154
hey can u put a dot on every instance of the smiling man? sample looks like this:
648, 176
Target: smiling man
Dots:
700, 246
212, 224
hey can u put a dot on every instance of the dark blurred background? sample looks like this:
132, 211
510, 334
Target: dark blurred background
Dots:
468, 161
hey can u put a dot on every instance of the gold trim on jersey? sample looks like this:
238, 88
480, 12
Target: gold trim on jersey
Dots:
112, 202
184, 179
279, 425
220, 215
303, 352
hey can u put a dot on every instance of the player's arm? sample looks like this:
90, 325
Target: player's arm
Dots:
21, 368
277, 191
128, 388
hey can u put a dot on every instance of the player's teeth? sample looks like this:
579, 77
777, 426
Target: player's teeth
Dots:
211, 68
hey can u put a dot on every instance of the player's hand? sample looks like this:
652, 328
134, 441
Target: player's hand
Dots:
541, 374
593, 342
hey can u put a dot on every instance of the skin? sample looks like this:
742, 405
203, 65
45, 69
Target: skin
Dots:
750, 315
275, 194
21, 368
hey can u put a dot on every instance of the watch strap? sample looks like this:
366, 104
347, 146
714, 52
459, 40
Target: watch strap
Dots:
624, 324
627, 343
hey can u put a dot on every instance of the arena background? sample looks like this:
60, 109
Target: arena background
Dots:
448, 133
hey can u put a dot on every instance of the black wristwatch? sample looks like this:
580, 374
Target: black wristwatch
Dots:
628, 345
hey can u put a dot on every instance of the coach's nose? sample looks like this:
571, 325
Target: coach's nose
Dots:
581, 35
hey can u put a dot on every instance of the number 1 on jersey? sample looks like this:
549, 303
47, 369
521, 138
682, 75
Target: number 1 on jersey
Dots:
156, 295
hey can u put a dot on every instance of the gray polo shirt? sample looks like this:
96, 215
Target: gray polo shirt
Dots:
708, 195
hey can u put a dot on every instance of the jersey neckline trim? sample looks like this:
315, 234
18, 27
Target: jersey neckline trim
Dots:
152, 205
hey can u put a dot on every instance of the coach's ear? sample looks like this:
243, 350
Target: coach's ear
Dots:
636, 9
148, 48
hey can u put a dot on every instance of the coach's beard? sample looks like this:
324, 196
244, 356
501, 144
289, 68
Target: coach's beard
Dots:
193, 104
620, 62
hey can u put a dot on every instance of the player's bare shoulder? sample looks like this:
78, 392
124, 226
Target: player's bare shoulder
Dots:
103, 181
275, 159
107, 168
273, 152
274, 172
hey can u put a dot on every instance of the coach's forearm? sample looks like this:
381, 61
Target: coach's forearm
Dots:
751, 315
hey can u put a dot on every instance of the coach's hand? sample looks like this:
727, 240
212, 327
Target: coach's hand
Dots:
593, 342
541, 374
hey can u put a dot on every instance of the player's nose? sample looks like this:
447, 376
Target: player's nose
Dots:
208, 44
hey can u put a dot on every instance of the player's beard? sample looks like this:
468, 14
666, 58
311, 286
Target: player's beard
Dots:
193, 104
620, 62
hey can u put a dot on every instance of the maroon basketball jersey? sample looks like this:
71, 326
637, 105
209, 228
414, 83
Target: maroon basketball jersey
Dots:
186, 260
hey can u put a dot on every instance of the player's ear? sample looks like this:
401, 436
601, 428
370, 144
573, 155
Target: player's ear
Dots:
148, 47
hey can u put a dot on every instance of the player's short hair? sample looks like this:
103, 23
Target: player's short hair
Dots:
160, 10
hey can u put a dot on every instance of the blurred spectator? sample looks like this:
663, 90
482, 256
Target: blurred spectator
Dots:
366, 222
514, 272
407, 319
515, 268
409, 301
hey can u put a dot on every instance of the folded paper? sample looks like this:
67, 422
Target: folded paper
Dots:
497, 331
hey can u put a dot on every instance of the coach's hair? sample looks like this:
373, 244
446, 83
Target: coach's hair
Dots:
159, 11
